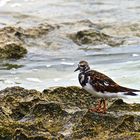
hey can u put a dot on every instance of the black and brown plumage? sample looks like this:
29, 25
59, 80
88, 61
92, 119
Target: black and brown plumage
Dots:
101, 86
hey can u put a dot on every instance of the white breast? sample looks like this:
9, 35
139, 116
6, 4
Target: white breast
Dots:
90, 89
82, 78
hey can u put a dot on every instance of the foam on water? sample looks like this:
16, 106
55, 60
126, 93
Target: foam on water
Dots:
3, 2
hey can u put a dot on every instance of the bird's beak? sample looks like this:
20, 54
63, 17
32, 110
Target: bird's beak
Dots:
77, 69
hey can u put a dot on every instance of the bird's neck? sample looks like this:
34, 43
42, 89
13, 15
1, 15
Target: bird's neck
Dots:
83, 78
85, 71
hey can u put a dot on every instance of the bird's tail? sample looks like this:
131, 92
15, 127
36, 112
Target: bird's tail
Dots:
131, 94
128, 92
131, 97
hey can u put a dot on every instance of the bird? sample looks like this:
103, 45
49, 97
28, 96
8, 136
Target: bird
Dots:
102, 86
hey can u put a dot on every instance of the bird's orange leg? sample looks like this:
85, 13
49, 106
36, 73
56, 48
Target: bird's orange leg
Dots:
104, 106
98, 107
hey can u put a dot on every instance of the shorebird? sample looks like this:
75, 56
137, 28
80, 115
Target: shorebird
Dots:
101, 86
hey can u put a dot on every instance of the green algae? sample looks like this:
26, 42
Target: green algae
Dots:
32, 115
9, 66
97, 126
120, 105
71, 96
96, 37
13, 42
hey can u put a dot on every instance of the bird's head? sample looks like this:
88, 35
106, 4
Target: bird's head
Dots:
83, 66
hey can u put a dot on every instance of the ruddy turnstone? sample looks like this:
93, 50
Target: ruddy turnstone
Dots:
101, 86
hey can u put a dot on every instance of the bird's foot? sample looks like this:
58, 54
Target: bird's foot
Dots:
98, 110
102, 111
95, 109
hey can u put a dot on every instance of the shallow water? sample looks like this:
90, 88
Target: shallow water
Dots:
53, 65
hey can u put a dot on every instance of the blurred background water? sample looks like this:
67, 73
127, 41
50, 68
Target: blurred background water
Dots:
54, 64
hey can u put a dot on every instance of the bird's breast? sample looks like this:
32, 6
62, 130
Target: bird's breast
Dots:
88, 87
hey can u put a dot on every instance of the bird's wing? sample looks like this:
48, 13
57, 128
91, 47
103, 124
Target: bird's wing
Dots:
102, 83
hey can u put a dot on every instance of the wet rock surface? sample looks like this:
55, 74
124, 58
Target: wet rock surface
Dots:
10, 46
126, 29
13, 44
15, 41
96, 37
62, 113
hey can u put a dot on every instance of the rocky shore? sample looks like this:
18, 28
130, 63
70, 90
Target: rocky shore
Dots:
13, 44
62, 113
41, 42
15, 41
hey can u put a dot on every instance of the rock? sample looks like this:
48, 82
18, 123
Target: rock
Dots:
48, 108
129, 31
13, 40
17, 101
20, 134
10, 46
95, 37
71, 96
108, 126
12, 50
9, 66
125, 29
120, 105
62, 113
38, 31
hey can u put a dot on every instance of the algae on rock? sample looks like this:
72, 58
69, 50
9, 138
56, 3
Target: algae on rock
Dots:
10, 46
13, 40
62, 113
95, 37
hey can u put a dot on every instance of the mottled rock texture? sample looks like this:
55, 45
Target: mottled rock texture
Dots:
96, 37
62, 113
13, 40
